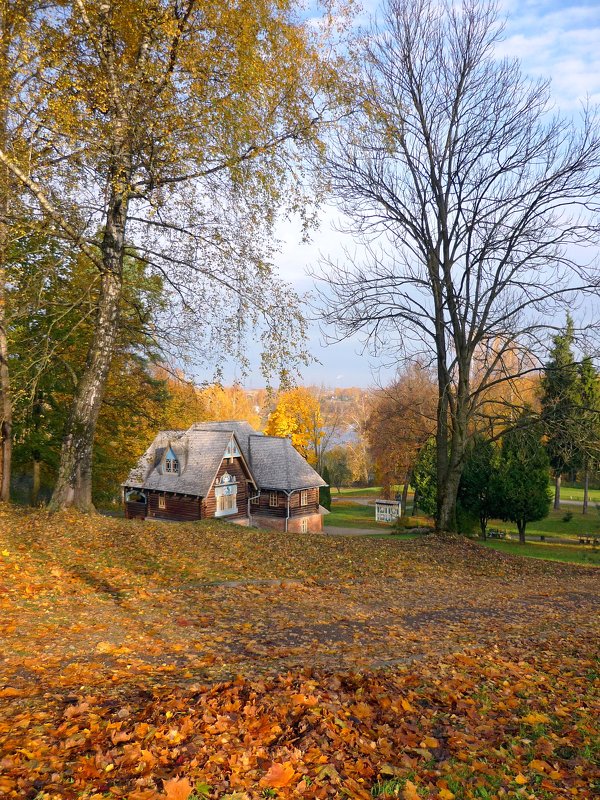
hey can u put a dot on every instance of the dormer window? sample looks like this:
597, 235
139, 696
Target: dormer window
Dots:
171, 462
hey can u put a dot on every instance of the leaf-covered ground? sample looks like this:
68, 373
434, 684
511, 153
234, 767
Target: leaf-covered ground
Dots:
145, 661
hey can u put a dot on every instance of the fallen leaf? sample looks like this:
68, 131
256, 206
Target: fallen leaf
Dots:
279, 775
410, 792
177, 789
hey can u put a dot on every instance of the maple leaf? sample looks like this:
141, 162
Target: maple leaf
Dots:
278, 776
177, 789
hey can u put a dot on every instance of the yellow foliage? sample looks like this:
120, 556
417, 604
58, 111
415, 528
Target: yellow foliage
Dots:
222, 403
297, 415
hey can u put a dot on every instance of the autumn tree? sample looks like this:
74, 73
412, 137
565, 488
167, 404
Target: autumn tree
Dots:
19, 52
338, 467
174, 127
469, 202
51, 305
402, 419
297, 415
229, 403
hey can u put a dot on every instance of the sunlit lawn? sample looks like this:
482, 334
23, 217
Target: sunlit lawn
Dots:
555, 524
576, 493
353, 515
575, 554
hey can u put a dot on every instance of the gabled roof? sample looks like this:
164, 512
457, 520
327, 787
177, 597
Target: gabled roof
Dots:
199, 453
273, 461
240, 428
277, 464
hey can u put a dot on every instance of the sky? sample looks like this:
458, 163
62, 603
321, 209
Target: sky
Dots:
559, 40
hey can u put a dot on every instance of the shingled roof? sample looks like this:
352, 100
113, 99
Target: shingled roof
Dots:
276, 464
273, 461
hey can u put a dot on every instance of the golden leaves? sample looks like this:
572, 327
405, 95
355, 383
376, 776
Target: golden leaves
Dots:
536, 718
163, 717
177, 789
279, 775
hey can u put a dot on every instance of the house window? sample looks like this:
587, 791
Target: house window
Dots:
304, 525
255, 499
172, 465
226, 497
162, 501
304, 497
273, 500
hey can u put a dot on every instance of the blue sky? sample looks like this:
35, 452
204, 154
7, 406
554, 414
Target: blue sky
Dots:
556, 40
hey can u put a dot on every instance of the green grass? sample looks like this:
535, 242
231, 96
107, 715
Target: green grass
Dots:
352, 491
576, 493
554, 524
574, 554
352, 515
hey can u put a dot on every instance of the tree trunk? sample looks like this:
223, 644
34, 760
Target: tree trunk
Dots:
586, 490
405, 494
415, 503
557, 478
5, 388
483, 521
5, 392
521, 528
74, 483
35, 484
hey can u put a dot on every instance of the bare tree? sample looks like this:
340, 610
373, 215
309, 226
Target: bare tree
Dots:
474, 205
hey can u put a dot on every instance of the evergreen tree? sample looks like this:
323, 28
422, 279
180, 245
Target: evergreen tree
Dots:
522, 478
560, 406
325, 491
424, 479
588, 422
477, 494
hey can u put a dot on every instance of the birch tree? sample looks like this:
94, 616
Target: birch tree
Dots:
474, 205
169, 130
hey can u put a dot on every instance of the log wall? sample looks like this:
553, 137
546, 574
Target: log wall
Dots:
209, 504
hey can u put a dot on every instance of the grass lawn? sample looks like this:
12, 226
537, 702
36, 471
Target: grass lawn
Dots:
583, 554
156, 661
353, 515
576, 493
554, 525
352, 491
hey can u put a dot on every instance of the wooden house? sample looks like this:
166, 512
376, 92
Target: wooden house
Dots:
225, 470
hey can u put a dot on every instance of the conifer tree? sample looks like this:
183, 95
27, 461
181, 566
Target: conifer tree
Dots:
560, 402
522, 477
